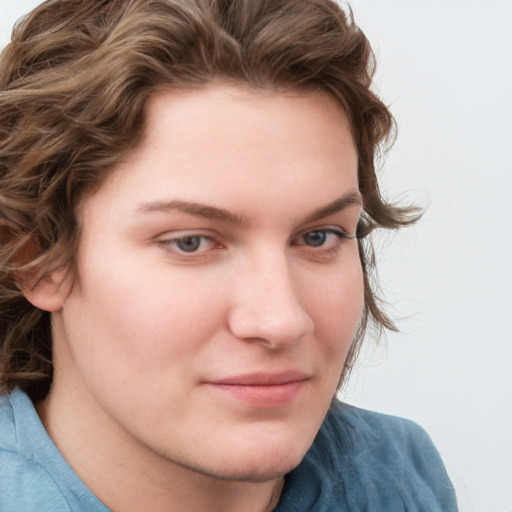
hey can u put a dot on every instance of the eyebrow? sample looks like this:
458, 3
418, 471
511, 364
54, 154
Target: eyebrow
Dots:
212, 212
351, 199
193, 208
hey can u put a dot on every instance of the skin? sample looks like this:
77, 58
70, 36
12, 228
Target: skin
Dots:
173, 299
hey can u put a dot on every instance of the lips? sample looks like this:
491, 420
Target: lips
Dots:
262, 390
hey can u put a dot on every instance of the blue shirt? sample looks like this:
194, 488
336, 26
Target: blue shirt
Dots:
360, 461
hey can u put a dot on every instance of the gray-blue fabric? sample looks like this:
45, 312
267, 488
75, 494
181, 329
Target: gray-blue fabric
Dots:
368, 462
360, 461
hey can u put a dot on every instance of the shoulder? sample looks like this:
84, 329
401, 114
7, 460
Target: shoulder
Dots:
33, 475
24, 483
362, 460
7, 433
390, 438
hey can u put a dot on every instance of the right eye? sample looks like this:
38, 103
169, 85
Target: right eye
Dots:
188, 244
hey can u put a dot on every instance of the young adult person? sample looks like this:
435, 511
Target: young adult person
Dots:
187, 192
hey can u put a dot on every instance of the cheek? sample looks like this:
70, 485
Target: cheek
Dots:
337, 309
137, 323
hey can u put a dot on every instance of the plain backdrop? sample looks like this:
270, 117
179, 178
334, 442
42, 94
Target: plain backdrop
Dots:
445, 69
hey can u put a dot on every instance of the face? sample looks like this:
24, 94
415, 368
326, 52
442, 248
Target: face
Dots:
219, 283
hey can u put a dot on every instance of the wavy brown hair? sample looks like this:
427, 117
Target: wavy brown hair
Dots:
74, 82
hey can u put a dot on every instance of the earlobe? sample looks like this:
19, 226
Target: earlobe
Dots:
50, 292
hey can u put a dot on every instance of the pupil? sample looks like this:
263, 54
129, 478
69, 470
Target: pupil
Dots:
315, 238
189, 243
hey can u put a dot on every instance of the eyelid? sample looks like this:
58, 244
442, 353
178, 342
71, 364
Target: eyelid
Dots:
332, 246
335, 230
169, 238
184, 233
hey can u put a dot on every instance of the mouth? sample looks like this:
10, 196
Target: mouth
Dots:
262, 390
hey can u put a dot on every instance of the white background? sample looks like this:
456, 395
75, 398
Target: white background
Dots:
445, 69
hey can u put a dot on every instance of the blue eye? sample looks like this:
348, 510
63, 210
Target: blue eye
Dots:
189, 243
321, 242
321, 237
315, 238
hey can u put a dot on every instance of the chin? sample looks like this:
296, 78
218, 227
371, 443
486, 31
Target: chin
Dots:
259, 466
265, 471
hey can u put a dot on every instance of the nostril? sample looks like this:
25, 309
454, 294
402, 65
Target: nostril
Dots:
275, 325
267, 304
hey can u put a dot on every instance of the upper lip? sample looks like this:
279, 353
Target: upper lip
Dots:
263, 378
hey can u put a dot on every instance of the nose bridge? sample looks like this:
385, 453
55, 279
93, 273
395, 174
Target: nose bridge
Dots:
267, 304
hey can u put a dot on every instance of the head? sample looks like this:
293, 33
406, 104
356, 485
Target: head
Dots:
76, 83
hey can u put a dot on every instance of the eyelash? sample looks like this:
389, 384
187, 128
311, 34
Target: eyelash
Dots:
172, 243
339, 234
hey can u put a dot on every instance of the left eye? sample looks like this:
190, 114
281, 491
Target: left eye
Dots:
315, 238
320, 238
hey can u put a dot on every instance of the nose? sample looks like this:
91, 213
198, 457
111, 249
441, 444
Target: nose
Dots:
266, 307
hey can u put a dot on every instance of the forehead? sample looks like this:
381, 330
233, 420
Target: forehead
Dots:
218, 108
225, 142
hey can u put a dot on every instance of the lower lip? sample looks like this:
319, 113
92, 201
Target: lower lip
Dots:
263, 397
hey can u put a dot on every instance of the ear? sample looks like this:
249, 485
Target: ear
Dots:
47, 293
50, 292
